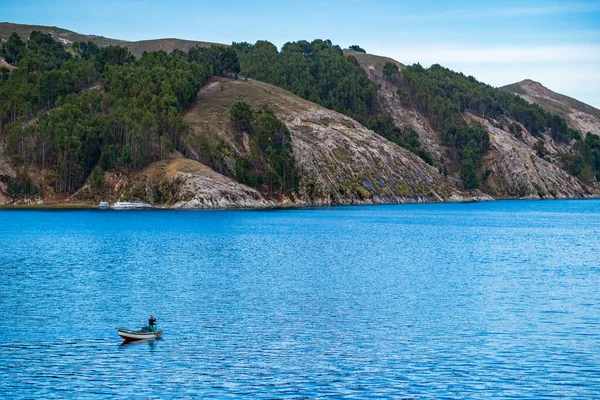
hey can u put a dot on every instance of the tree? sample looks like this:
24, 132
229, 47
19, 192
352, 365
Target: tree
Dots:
223, 60
4, 73
112, 55
468, 175
390, 71
242, 116
357, 48
87, 49
516, 130
13, 49
127, 156
540, 148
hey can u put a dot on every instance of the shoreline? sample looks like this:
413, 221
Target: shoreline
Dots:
87, 206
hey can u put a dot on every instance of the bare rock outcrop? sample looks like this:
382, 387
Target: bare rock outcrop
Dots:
342, 162
515, 170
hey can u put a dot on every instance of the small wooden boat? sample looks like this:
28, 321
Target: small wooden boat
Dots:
143, 334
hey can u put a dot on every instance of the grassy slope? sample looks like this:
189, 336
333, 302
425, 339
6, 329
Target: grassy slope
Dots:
335, 154
371, 61
209, 115
137, 48
551, 101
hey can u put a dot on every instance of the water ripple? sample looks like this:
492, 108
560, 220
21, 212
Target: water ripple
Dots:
490, 300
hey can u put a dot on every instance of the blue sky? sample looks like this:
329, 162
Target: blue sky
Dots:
554, 42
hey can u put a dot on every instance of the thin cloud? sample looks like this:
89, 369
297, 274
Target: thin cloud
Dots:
428, 54
570, 70
511, 12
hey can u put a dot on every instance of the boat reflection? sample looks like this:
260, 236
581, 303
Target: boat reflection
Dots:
149, 342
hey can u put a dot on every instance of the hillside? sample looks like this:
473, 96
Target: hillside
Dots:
404, 117
514, 168
307, 124
340, 161
67, 37
578, 115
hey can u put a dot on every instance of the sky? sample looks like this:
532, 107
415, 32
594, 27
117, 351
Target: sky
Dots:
556, 43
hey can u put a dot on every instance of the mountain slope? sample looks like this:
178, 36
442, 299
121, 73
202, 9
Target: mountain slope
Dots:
579, 116
329, 158
404, 117
512, 167
339, 160
68, 37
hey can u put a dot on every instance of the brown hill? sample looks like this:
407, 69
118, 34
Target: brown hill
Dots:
68, 37
579, 116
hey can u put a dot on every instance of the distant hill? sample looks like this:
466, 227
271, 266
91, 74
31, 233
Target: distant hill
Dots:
68, 37
578, 115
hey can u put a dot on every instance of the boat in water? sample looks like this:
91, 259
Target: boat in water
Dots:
126, 205
103, 205
143, 334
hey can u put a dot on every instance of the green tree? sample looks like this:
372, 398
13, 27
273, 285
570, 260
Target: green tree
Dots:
127, 156
13, 49
357, 48
242, 116
112, 55
390, 71
86, 50
468, 174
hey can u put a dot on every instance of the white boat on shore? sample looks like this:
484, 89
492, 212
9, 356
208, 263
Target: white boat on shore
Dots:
103, 205
126, 205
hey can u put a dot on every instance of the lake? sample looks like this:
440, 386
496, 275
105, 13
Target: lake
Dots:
482, 300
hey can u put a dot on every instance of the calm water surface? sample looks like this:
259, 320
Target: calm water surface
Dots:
479, 300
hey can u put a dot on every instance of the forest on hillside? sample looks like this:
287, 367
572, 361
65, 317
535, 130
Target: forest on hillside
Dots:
84, 110
80, 110
443, 95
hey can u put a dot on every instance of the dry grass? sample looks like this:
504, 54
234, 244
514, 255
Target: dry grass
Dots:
371, 61
136, 48
209, 115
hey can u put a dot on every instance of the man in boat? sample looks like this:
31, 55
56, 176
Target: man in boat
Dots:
152, 323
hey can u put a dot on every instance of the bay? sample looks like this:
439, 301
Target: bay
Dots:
496, 299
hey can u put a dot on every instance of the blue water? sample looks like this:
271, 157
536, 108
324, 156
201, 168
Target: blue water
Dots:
484, 300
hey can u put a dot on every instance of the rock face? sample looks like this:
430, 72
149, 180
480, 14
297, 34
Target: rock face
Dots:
579, 116
339, 160
342, 162
176, 183
195, 185
514, 169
